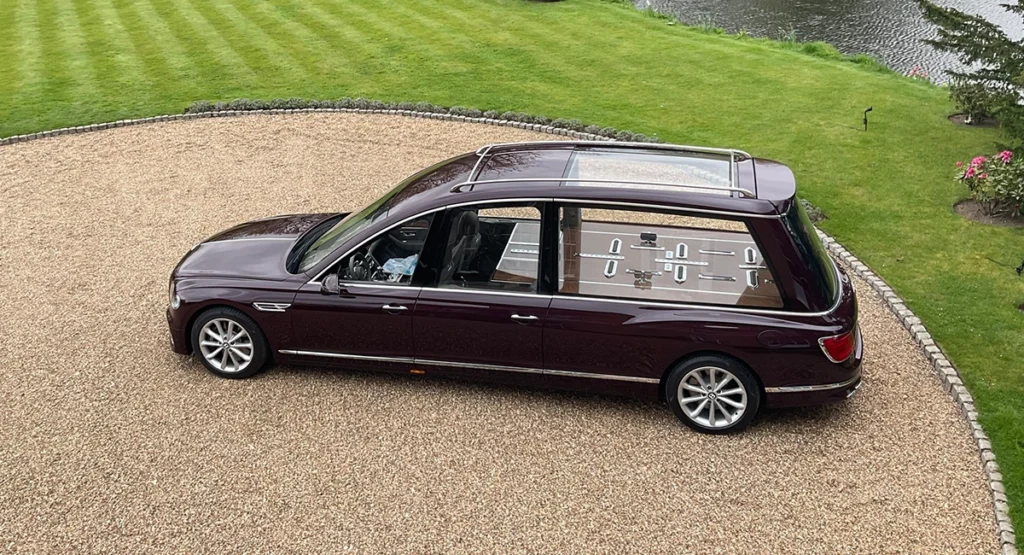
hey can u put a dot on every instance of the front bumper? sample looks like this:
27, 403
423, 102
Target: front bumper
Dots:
179, 342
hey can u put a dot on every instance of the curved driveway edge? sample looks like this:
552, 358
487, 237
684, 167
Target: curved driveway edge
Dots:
945, 370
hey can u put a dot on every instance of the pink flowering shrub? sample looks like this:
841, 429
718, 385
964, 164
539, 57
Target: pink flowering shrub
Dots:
997, 182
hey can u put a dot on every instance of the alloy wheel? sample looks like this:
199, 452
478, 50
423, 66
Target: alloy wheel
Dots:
226, 345
712, 397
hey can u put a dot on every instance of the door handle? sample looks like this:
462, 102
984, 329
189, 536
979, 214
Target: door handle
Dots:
530, 318
394, 308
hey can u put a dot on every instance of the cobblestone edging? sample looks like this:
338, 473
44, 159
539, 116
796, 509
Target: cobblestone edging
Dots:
951, 381
945, 370
228, 113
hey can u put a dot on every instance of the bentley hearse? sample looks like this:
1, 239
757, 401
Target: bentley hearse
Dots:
683, 274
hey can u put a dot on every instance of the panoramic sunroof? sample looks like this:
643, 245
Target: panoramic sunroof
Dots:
654, 171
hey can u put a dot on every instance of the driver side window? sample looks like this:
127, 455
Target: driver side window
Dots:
390, 258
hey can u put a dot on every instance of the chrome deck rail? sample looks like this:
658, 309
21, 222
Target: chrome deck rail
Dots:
745, 192
733, 154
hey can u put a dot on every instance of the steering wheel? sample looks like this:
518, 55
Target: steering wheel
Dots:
359, 267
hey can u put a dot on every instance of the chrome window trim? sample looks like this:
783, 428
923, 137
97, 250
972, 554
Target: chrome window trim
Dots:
810, 388
765, 311
471, 366
316, 279
770, 312
488, 292
236, 239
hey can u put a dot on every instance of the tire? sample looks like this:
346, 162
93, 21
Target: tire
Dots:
730, 376
212, 326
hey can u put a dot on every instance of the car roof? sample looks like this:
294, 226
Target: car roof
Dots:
697, 179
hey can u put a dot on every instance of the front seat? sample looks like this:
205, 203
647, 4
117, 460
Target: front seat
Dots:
463, 244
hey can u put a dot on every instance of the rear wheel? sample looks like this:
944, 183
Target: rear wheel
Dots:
229, 343
713, 394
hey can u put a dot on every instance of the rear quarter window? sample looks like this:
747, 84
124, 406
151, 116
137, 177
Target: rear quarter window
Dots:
662, 257
806, 240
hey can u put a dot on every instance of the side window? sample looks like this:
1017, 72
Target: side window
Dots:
662, 257
389, 258
492, 247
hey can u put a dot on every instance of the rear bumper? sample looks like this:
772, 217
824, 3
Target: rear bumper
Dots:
820, 394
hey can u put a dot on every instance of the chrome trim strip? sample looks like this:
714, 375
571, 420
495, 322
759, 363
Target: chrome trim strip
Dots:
496, 367
809, 388
601, 182
350, 357
602, 256
486, 292
271, 307
523, 370
616, 144
271, 238
585, 202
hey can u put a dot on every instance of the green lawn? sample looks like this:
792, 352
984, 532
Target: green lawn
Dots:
887, 191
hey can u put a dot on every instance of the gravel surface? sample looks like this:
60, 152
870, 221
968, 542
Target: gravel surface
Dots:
110, 442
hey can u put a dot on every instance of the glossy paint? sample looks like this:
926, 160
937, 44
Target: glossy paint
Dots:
609, 346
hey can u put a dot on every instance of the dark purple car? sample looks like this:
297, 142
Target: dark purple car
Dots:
685, 274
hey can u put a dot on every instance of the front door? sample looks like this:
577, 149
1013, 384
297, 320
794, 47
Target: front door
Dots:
484, 317
367, 321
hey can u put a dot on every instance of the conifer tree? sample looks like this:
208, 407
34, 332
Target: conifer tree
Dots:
995, 60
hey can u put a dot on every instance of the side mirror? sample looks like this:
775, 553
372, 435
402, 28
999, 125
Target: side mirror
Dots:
329, 286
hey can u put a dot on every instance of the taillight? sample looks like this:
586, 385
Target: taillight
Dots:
838, 348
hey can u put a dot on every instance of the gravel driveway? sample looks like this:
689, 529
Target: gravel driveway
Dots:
110, 442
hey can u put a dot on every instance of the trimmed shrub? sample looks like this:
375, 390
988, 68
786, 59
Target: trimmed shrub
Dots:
996, 183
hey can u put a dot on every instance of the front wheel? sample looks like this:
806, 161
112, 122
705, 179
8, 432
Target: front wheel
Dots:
713, 394
229, 343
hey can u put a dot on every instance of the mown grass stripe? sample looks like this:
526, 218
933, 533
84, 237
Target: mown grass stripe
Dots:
59, 79
339, 34
20, 45
263, 55
149, 62
293, 36
209, 50
181, 44
112, 59
355, 34
160, 53
398, 34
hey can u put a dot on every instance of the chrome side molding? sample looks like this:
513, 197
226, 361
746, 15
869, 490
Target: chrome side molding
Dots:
271, 307
496, 367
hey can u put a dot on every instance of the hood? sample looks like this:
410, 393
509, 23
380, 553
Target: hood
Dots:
256, 250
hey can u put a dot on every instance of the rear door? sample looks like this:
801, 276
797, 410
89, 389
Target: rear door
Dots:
637, 290
484, 318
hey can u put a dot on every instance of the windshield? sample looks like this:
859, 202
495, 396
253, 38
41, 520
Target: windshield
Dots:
442, 174
802, 230
346, 229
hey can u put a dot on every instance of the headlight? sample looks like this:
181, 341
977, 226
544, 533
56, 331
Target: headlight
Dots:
174, 298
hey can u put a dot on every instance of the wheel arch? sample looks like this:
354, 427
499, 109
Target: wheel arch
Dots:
213, 306
709, 352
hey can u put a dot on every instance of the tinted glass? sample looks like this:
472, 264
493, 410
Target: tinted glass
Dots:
662, 257
391, 257
493, 248
800, 227
446, 173
674, 170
